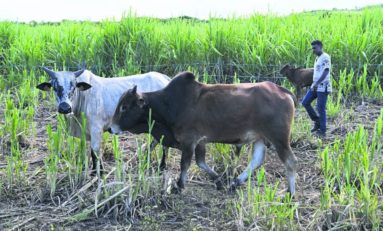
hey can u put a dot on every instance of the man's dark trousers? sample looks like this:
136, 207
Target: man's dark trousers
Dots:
321, 107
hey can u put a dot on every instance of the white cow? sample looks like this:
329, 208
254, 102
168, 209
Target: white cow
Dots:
84, 92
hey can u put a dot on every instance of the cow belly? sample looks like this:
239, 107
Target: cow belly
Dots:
233, 138
75, 128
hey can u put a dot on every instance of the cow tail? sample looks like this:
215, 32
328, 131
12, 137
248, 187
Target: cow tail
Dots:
293, 97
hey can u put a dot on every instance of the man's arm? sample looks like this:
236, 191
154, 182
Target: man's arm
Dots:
323, 76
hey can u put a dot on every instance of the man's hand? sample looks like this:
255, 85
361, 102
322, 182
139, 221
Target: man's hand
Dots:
314, 87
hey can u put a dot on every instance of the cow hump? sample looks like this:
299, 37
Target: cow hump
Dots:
182, 79
186, 75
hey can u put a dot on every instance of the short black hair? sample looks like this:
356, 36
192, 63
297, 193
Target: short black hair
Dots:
317, 42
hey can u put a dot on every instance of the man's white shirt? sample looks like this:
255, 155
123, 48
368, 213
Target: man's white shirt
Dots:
321, 63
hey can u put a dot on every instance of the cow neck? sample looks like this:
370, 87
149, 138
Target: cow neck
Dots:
292, 74
158, 107
79, 104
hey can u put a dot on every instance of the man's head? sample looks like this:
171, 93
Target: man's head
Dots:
317, 46
64, 84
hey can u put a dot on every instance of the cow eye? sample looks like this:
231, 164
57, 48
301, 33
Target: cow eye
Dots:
123, 108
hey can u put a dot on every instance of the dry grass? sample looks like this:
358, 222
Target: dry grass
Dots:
29, 205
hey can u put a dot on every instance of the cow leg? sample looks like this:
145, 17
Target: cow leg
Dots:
290, 161
94, 160
95, 143
299, 92
238, 148
153, 145
256, 161
187, 154
165, 150
200, 153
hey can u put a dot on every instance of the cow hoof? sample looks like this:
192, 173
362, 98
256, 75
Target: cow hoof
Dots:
219, 185
161, 171
93, 172
180, 184
288, 198
162, 167
234, 186
232, 189
176, 189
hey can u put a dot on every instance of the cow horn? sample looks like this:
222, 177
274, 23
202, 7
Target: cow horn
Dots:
78, 73
51, 73
133, 90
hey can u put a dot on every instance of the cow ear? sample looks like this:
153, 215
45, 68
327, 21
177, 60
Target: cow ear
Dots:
44, 86
82, 86
141, 102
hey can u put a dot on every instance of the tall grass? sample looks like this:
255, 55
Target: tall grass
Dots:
135, 187
51, 163
253, 46
260, 206
353, 170
17, 127
66, 154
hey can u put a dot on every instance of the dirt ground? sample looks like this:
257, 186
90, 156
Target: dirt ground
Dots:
199, 207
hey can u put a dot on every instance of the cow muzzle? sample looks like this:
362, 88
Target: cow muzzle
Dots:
64, 108
114, 129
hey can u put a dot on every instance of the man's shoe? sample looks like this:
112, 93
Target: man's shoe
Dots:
320, 134
316, 127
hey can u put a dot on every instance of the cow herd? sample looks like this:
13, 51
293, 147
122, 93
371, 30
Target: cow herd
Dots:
187, 114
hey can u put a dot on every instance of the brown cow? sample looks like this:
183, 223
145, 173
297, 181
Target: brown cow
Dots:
199, 113
299, 77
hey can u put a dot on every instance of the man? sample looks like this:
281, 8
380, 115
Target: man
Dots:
319, 89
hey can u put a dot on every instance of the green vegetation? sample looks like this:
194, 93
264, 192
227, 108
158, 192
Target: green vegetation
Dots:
253, 46
353, 177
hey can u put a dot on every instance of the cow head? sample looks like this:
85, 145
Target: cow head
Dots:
130, 111
64, 85
286, 70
